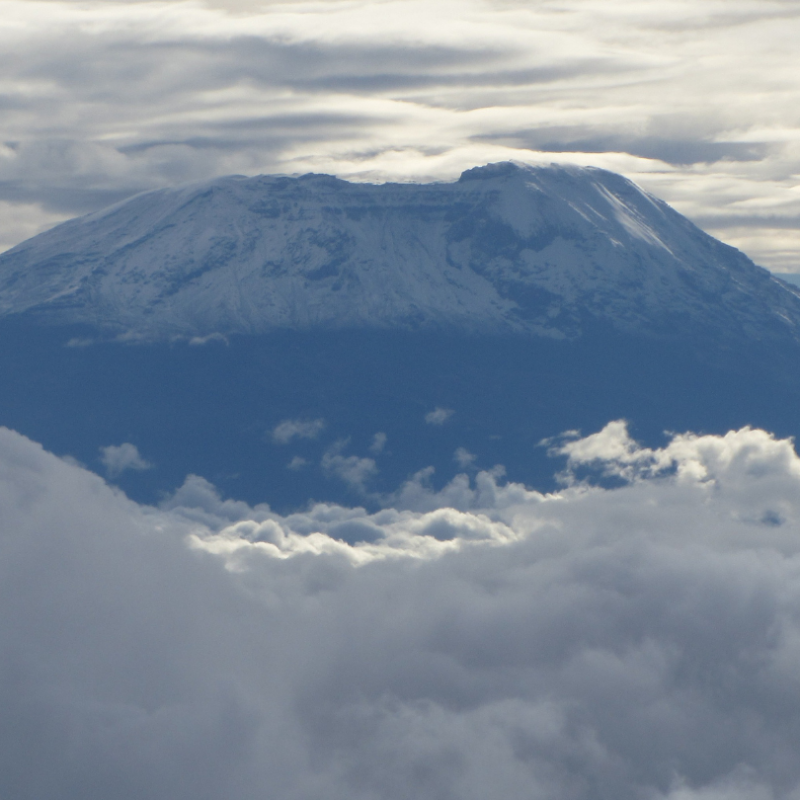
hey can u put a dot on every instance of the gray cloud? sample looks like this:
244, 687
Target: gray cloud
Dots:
463, 457
353, 470
675, 151
439, 416
378, 443
697, 103
119, 458
289, 429
411, 78
627, 643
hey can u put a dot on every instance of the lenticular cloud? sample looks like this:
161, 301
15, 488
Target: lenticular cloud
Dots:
484, 640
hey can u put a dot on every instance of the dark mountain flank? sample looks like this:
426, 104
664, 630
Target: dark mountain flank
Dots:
526, 301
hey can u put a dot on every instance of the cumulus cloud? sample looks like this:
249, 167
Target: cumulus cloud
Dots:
632, 642
289, 429
438, 416
353, 470
119, 458
463, 457
169, 92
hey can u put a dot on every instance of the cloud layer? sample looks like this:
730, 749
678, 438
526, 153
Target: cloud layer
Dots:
486, 640
695, 100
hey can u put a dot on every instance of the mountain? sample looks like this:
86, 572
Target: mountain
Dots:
505, 249
372, 332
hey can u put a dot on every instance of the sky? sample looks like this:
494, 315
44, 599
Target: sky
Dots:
634, 635
696, 100
480, 641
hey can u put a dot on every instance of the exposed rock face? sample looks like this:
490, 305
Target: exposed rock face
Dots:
506, 248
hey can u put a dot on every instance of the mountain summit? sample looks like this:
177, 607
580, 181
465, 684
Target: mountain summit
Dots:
378, 322
506, 248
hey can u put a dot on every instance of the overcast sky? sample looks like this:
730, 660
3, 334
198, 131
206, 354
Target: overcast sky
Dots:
697, 100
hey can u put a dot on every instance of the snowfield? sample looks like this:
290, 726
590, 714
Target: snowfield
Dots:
506, 248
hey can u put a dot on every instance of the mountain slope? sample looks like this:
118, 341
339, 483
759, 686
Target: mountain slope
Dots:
507, 248
394, 328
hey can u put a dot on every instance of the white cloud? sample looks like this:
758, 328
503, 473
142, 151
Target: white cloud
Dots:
628, 643
297, 463
696, 100
353, 470
378, 443
23, 220
289, 429
119, 458
199, 341
463, 457
438, 416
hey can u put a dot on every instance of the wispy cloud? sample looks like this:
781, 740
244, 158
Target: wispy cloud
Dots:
438, 416
289, 429
297, 463
695, 100
378, 443
119, 458
463, 457
352, 469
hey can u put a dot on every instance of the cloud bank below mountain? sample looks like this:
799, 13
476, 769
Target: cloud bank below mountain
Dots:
484, 640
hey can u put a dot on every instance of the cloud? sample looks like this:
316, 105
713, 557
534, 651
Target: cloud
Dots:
289, 429
438, 416
22, 220
463, 457
213, 338
119, 458
352, 470
297, 463
378, 443
630, 642
693, 100
678, 151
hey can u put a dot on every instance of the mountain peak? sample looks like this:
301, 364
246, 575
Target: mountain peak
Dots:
500, 169
507, 248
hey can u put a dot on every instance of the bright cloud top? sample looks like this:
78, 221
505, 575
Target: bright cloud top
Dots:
485, 640
698, 101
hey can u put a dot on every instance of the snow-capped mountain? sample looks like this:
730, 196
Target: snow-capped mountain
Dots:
506, 248
378, 320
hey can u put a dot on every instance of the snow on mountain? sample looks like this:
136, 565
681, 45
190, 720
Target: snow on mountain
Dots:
505, 248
